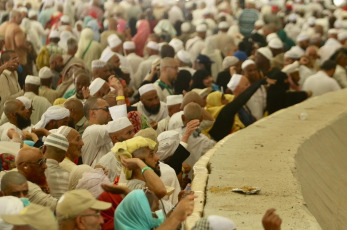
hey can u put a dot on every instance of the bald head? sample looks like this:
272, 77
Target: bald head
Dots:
112, 24
191, 112
111, 99
192, 97
27, 154
14, 184
11, 106
75, 107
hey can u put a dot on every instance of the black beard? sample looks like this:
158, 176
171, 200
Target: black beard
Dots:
22, 123
71, 124
151, 110
154, 169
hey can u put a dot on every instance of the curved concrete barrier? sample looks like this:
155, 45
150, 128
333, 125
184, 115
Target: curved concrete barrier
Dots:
299, 162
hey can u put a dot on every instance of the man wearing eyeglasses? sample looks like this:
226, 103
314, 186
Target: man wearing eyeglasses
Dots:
168, 74
96, 140
78, 209
32, 165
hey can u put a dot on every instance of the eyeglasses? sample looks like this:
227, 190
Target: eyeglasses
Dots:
39, 163
106, 109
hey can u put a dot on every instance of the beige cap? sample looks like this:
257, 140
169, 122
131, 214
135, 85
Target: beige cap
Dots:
74, 202
32, 80
174, 99
36, 216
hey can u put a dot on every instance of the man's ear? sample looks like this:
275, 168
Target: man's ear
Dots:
44, 149
183, 118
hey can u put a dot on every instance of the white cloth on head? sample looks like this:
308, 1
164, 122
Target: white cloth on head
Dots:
118, 111
57, 140
107, 56
54, 34
201, 28
185, 27
32, 13
174, 99
55, 112
342, 35
129, 45
184, 56
302, 37
26, 101
65, 19
9, 205
118, 124
45, 73
247, 63
271, 36
276, 43
168, 143
64, 37
146, 88
96, 64
229, 61
114, 41
64, 130
92, 181
234, 81
221, 223
177, 44
223, 25
32, 80
96, 85
266, 52
294, 53
153, 45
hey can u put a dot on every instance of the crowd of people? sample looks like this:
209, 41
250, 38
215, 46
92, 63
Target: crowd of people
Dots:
107, 105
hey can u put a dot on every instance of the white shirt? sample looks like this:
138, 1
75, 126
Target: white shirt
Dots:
39, 104
340, 76
37, 196
163, 112
96, 144
110, 162
257, 103
57, 178
134, 62
320, 83
194, 46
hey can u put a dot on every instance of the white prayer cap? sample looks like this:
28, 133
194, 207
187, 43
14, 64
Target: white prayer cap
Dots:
65, 19
161, 44
177, 44
55, 112
168, 143
32, 80
57, 140
64, 130
54, 34
98, 64
342, 35
271, 36
247, 63
96, 85
234, 81
229, 61
223, 25
291, 68
45, 73
292, 17
174, 99
23, 9
185, 27
153, 45
26, 101
184, 56
32, 13
311, 21
201, 28
129, 45
189, 5
338, 24
107, 56
219, 222
111, 37
294, 53
118, 124
276, 43
146, 88
114, 42
302, 37
118, 111
266, 52
9, 205
332, 31
259, 23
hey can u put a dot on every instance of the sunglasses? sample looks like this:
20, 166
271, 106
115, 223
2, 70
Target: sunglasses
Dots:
106, 109
39, 163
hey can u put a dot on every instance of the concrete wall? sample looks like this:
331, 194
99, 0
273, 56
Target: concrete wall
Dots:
300, 165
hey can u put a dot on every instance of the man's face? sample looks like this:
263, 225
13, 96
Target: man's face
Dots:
23, 116
151, 102
34, 168
172, 71
126, 133
207, 81
14, 57
91, 219
251, 72
114, 61
104, 73
20, 191
81, 82
152, 160
64, 121
75, 144
59, 64
102, 114
105, 89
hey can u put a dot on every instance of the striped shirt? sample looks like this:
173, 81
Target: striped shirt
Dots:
57, 178
246, 21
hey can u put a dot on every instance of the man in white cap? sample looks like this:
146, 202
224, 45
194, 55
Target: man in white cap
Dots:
173, 103
322, 82
54, 117
99, 88
152, 49
54, 149
9, 77
276, 47
116, 47
95, 137
119, 130
31, 163
150, 104
257, 103
223, 40
53, 48
177, 44
184, 61
18, 118
56, 64
133, 59
262, 59
111, 29
100, 70
168, 74
75, 147
185, 32
292, 28
303, 41
329, 48
40, 104
45, 75
196, 44
78, 209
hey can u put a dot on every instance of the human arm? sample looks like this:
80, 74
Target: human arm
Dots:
117, 85
153, 182
271, 221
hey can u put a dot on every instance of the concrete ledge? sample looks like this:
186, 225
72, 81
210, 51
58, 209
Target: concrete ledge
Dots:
300, 165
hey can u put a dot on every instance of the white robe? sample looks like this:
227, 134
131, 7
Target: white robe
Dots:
39, 104
257, 103
320, 83
163, 112
194, 46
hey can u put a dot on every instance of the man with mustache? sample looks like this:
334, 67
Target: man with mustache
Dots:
18, 116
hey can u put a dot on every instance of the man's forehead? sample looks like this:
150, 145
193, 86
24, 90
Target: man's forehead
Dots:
102, 102
150, 94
